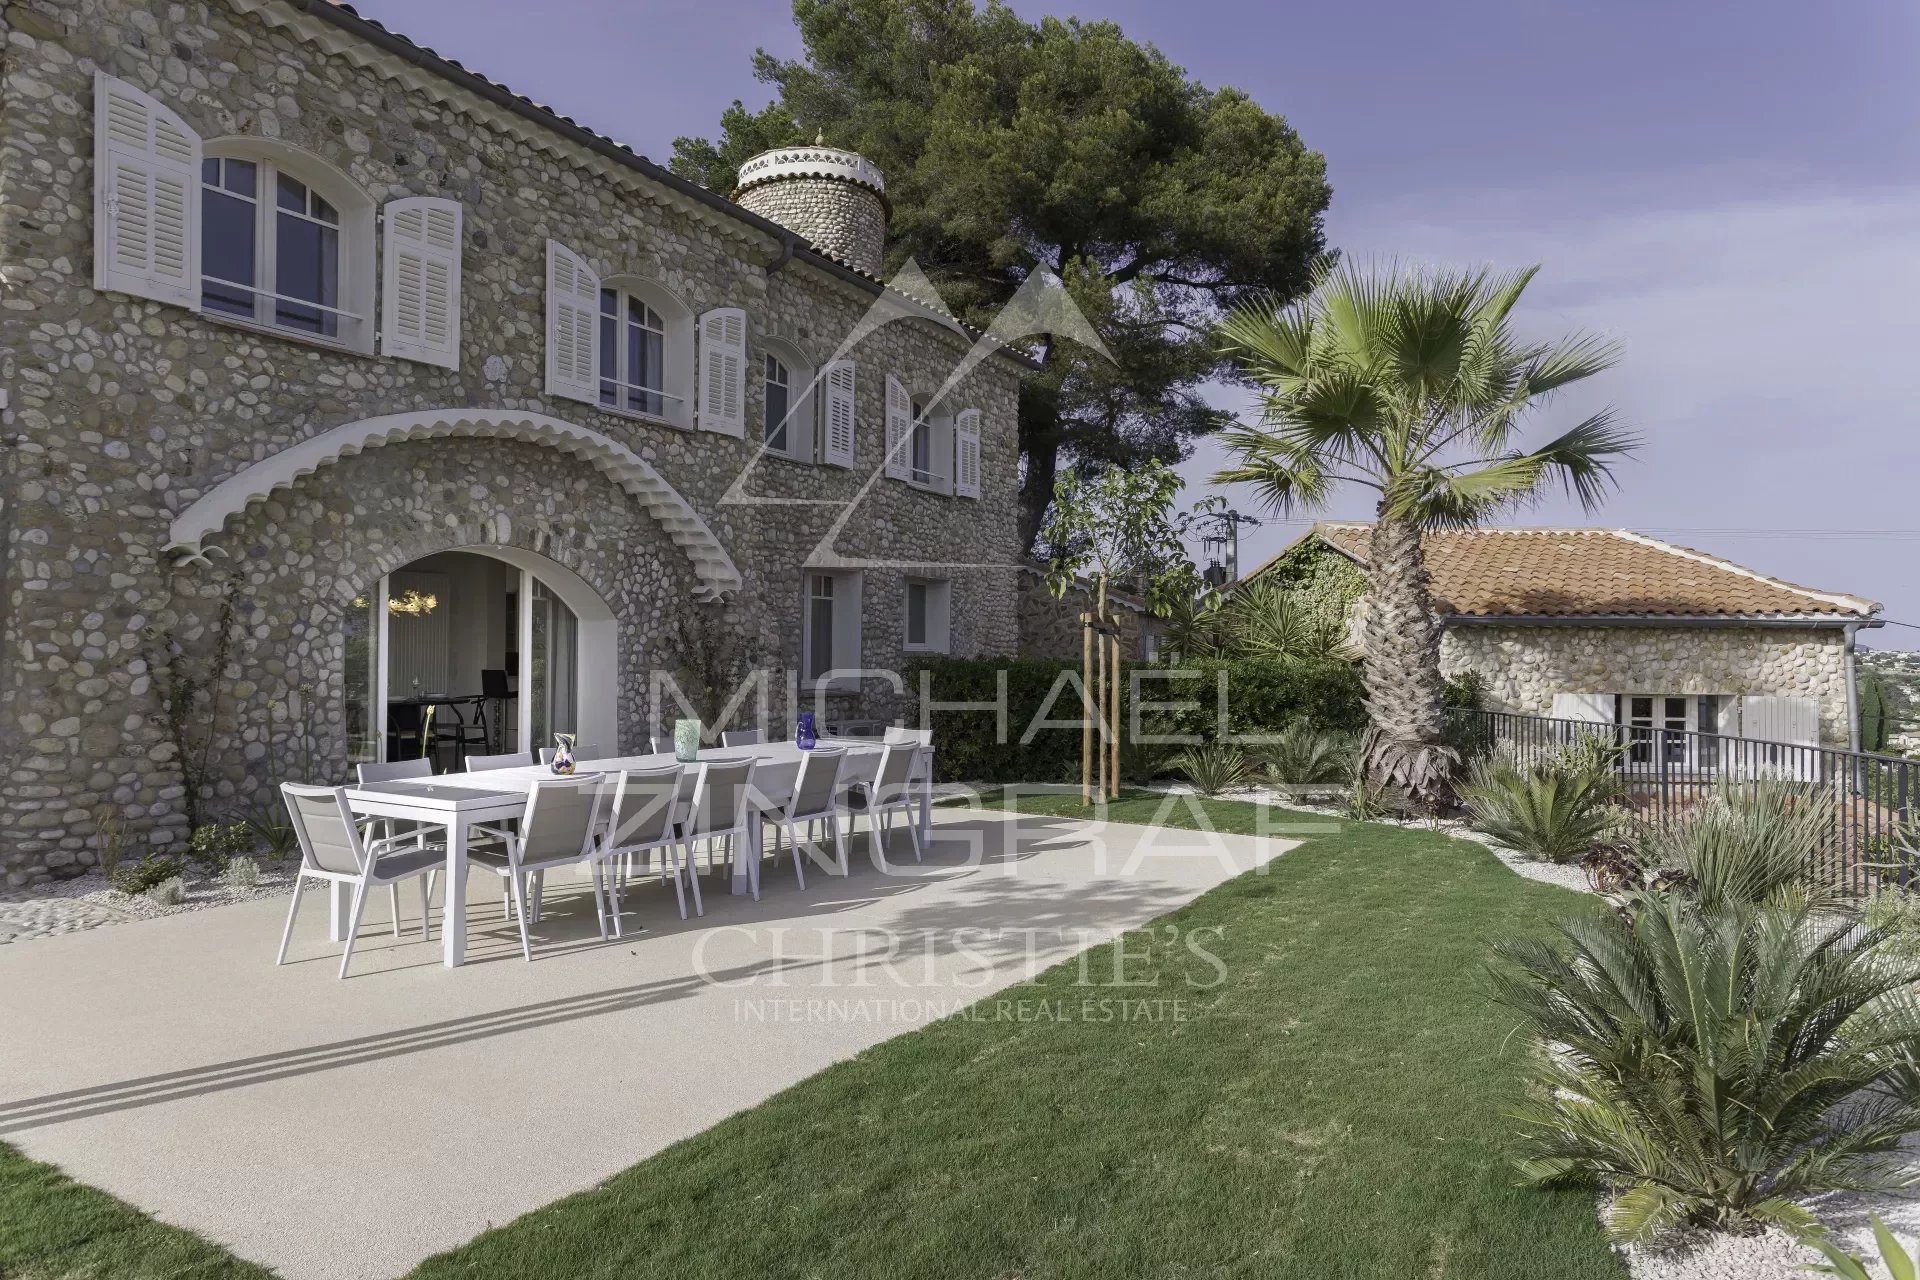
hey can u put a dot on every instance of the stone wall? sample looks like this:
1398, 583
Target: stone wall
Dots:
124, 411
1050, 627
1526, 666
842, 218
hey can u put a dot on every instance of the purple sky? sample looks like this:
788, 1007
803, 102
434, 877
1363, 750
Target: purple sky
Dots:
1732, 192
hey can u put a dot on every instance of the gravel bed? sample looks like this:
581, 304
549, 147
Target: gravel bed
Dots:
89, 902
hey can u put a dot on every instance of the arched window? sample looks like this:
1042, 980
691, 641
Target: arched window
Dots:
787, 403
646, 352
286, 243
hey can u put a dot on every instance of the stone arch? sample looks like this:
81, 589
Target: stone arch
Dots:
714, 571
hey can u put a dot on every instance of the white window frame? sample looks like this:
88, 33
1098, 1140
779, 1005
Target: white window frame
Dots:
932, 426
840, 666
354, 232
676, 350
803, 438
1660, 717
938, 622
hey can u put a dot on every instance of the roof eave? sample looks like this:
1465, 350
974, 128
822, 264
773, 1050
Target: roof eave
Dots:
373, 33
1661, 620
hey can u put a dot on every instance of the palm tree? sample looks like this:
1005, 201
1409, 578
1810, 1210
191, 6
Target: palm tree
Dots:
1412, 384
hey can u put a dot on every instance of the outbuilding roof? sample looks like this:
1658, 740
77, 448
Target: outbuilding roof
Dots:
1591, 573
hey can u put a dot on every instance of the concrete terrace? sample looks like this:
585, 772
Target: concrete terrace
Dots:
337, 1130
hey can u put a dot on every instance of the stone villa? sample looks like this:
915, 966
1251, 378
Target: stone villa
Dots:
1613, 626
348, 374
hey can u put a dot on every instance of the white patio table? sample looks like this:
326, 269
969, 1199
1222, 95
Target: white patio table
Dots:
459, 801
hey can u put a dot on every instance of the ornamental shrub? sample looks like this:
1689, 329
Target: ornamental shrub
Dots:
1260, 698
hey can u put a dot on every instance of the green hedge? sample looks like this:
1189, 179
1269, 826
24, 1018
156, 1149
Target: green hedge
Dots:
1261, 697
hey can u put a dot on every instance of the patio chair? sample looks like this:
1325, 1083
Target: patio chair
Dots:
923, 763
815, 800
893, 790
409, 731
560, 828
643, 821
393, 771
463, 734
332, 849
741, 738
720, 810
505, 760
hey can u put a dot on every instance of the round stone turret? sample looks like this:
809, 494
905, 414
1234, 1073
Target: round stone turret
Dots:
834, 198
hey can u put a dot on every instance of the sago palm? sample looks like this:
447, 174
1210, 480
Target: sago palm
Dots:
1708, 1065
1413, 384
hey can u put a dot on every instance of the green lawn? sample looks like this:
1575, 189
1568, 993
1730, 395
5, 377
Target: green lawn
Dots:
52, 1228
1333, 1109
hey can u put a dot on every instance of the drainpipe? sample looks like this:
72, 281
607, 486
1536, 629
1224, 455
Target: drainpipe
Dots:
1853, 697
788, 242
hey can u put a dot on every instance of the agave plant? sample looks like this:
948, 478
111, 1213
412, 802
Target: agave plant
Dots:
1894, 1258
1263, 619
1706, 1065
1213, 767
1542, 812
1302, 754
1750, 842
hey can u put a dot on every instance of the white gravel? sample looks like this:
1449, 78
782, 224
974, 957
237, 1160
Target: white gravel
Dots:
89, 902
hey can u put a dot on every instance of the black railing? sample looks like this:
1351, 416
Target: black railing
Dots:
1668, 772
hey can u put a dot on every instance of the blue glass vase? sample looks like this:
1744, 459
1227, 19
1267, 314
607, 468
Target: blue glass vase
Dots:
803, 734
563, 753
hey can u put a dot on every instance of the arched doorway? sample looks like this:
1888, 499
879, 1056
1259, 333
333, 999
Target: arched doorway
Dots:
440, 631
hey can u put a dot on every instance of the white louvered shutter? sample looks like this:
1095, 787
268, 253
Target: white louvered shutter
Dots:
1794, 720
966, 453
1590, 708
836, 446
573, 326
146, 186
723, 371
899, 427
420, 292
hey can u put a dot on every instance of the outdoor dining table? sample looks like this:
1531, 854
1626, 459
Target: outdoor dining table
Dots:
460, 801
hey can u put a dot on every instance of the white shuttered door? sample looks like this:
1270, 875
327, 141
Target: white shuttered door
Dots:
420, 294
899, 427
1795, 720
573, 325
966, 453
146, 217
723, 371
836, 446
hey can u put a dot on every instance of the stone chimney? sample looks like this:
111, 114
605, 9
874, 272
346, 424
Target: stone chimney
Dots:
834, 198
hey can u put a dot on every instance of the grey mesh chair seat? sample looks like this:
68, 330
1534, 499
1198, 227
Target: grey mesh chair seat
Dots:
411, 862
894, 789
560, 827
643, 824
814, 803
333, 848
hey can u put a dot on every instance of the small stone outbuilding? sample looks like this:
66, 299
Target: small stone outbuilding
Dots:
1614, 626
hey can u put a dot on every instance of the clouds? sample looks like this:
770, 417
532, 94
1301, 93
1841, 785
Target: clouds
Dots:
1771, 357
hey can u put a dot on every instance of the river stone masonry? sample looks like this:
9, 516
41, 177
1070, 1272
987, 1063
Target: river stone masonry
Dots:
122, 412
1526, 665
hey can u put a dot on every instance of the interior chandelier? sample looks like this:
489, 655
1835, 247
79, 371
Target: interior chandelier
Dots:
412, 604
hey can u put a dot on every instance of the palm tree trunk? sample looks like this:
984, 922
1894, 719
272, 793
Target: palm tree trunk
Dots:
1405, 748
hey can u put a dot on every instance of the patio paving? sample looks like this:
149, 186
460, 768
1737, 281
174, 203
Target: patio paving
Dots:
349, 1129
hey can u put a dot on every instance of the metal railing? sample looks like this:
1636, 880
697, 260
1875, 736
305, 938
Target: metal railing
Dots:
1669, 772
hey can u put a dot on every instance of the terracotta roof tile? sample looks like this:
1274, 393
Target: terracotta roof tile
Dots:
1593, 572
